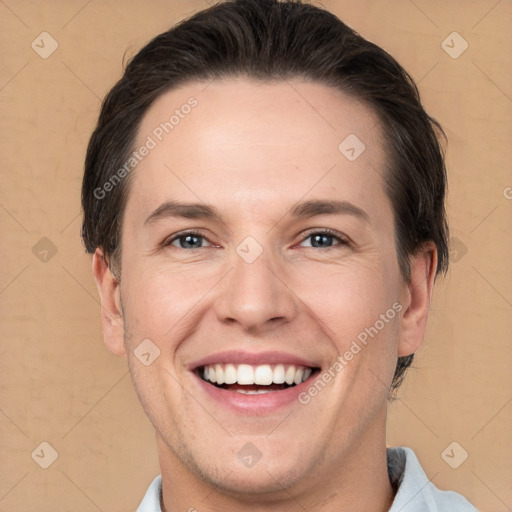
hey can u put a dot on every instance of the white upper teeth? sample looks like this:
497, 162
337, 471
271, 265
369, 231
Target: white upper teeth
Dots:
263, 375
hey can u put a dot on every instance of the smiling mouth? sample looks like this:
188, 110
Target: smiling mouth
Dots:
255, 379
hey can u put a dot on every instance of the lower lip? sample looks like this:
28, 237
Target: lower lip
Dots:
257, 404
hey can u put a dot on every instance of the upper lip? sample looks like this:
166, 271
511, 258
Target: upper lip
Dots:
253, 358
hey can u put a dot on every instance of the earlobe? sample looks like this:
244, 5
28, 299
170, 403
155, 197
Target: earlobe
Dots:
111, 312
418, 295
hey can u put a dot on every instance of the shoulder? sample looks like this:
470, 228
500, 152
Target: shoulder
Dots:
415, 492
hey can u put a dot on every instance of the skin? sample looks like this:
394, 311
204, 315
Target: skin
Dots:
253, 150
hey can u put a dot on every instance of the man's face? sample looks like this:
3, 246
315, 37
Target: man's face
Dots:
262, 290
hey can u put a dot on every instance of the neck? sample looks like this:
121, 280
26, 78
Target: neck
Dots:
357, 480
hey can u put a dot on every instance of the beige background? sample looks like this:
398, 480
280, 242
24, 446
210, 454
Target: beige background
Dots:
58, 382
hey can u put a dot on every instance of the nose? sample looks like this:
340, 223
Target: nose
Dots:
255, 295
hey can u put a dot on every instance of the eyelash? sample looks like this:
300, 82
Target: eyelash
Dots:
329, 232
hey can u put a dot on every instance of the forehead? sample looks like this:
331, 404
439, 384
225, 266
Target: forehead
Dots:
259, 140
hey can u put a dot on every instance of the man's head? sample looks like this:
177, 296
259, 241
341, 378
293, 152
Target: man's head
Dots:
278, 122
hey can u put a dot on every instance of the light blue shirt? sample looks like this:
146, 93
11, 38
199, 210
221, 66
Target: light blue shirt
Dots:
415, 492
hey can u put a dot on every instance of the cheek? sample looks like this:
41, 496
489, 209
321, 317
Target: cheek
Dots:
358, 310
160, 301
349, 299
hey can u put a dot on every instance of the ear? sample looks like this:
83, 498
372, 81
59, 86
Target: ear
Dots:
111, 311
418, 293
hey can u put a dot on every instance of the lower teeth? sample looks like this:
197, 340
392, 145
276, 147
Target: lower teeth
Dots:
253, 391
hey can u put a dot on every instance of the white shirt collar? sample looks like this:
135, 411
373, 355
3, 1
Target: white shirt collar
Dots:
415, 491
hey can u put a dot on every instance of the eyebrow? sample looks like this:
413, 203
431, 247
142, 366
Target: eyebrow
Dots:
320, 207
183, 210
305, 209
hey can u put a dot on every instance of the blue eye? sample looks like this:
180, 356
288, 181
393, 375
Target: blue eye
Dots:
324, 239
187, 241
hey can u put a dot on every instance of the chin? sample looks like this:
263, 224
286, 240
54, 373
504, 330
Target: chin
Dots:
251, 472
265, 482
